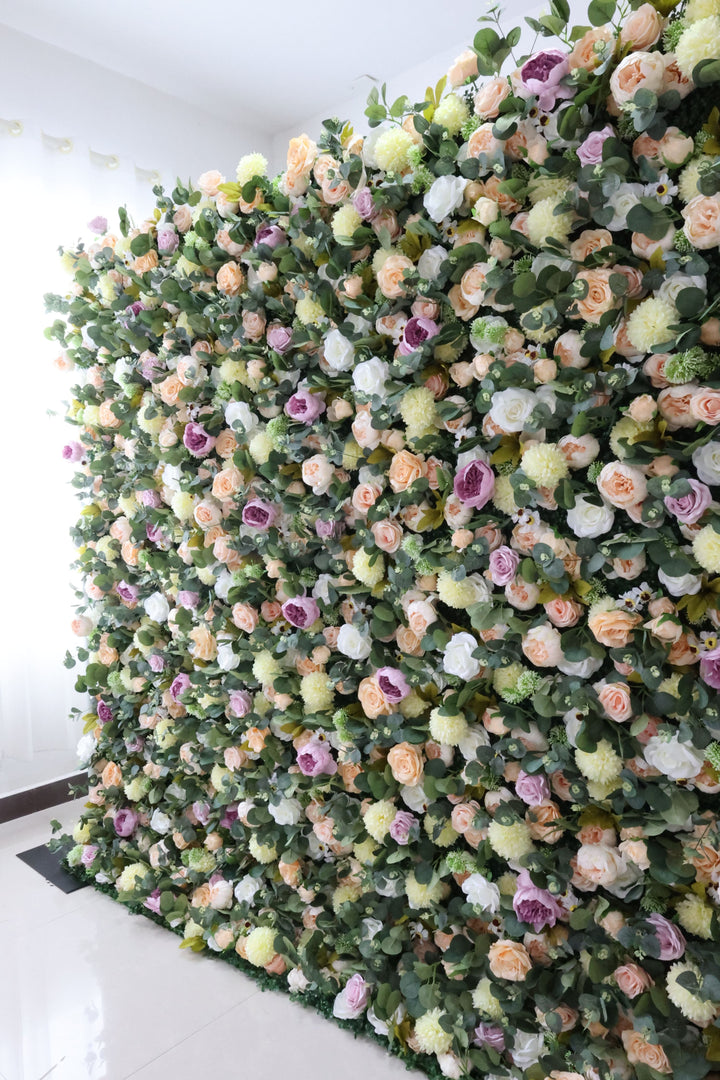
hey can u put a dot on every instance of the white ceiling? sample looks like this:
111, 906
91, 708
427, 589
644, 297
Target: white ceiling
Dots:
261, 64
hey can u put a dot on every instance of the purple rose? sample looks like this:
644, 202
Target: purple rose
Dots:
179, 685
189, 599
98, 224
710, 667
149, 497
327, 529
301, 611
167, 238
271, 236
590, 151
542, 76
136, 308
230, 816
393, 684
240, 703
259, 514
490, 1035
156, 662
152, 902
538, 907
352, 1000
691, 507
155, 534
401, 826
197, 440
73, 451
474, 484
532, 788
417, 330
105, 713
315, 758
304, 406
126, 592
88, 855
125, 822
364, 203
135, 745
279, 337
503, 565
201, 810
151, 366
670, 938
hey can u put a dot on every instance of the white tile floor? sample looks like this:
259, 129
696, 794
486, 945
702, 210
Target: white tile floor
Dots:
90, 992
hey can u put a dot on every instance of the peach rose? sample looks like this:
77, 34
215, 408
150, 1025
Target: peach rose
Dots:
317, 473
599, 298
702, 221
111, 775
541, 819
290, 872
674, 406
482, 141
253, 323
562, 612
204, 645
106, 416
255, 738
372, 698
639, 69
107, 655
230, 279
622, 485
405, 468
613, 628
705, 406
207, 514
509, 960
245, 617
542, 646
640, 1052
464, 67
615, 700
588, 51
406, 764
472, 283
641, 29
460, 305
301, 155
463, 816
365, 434
227, 482
490, 97
674, 78
387, 534
589, 241
234, 757
390, 276
364, 496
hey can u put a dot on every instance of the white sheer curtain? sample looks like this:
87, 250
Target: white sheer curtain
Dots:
50, 188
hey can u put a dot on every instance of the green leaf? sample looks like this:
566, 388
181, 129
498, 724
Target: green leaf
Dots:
601, 11
140, 245
706, 73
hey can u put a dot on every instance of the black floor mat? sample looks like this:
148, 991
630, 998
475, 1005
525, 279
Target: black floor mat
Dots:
48, 863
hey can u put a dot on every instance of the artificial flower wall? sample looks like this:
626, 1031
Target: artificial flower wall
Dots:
401, 550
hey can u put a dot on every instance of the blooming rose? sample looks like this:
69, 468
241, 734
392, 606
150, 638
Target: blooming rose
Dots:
532, 788
490, 97
482, 893
615, 700
622, 485
317, 473
372, 699
259, 514
474, 484
542, 76
509, 960
353, 999
613, 628
405, 469
599, 297
338, 351
641, 1052
314, 758
705, 406
670, 938
702, 221
444, 196
542, 646
406, 764
301, 611
641, 29
352, 643
304, 406
458, 659
301, 155
676, 759
390, 275
535, 906
639, 69
503, 565
590, 150
387, 534
230, 279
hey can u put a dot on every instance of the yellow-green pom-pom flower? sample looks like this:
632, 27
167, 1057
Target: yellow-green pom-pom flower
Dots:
601, 764
449, 730
365, 852
378, 819
485, 1001
345, 221
260, 446
423, 896
417, 409
365, 572
260, 946
699, 41
649, 325
693, 1006
545, 465
392, 150
309, 311
250, 165
701, 9
345, 894
317, 692
452, 112
456, 594
547, 187
131, 877
262, 853
695, 916
265, 667
544, 224
431, 1037
510, 841
629, 430
503, 498
706, 549
440, 831
688, 181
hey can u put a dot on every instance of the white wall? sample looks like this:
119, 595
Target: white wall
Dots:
66, 95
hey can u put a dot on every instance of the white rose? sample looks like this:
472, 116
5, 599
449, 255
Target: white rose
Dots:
482, 893
486, 210
221, 895
678, 760
157, 607
223, 584
239, 415
160, 822
371, 928
476, 736
476, 454
583, 669
601, 863
457, 513
352, 643
674, 285
586, 519
511, 409
86, 748
458, 659
706, 460
622, 203
451, 1066
321, 589
339, 352
444, 196
297, 981
344, 1010
227, 660
527, 1048
370, 376
480, 586
246, 888
430, 262
171, 476
317, 473
286, 812
572, 721
415, 798
687, 585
